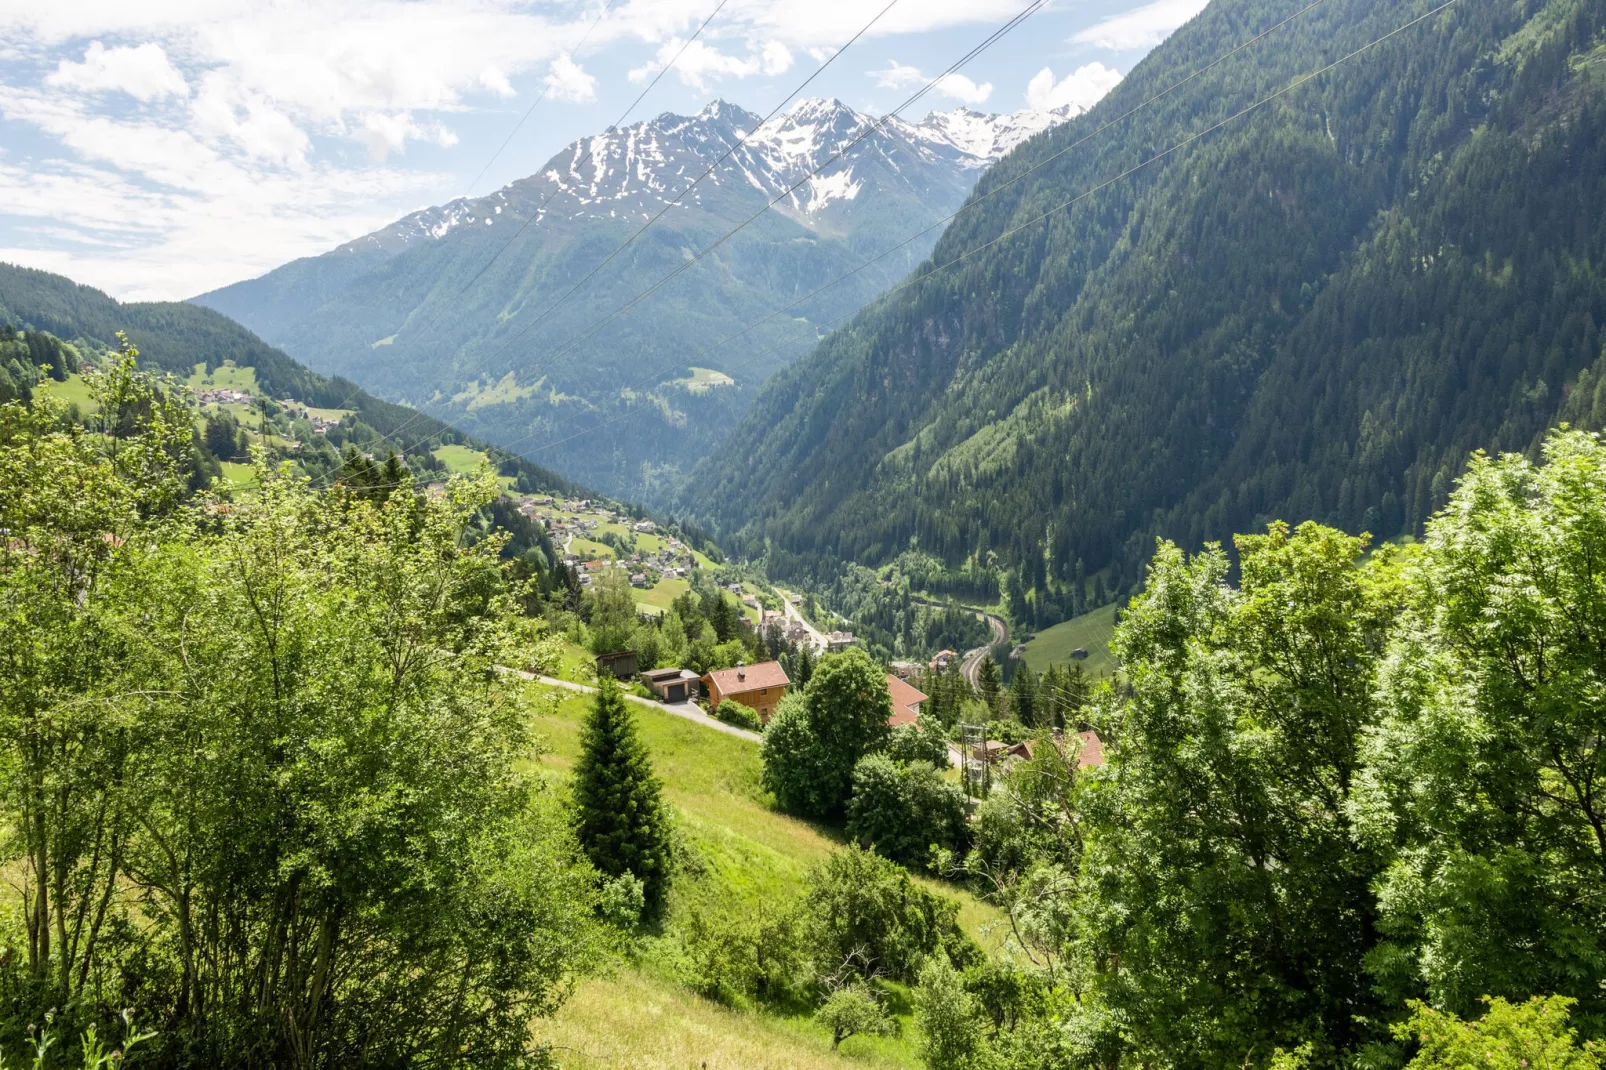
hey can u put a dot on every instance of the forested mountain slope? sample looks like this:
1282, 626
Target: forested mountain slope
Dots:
1315, 312
431, 310
176, 336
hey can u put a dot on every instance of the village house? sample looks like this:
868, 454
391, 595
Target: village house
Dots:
1089, 749
906, 700
835, 641
759, 687
670, 685
621, 664
943, 659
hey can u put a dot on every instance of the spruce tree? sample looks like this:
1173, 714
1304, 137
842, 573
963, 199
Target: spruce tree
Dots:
620, 816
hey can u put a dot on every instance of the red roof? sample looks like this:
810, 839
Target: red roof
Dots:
748, 678
1092, 752
1089, 752
906, 701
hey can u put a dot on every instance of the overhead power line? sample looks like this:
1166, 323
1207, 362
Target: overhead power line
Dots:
812, 332
693, 261
977, 50
535, 213
832, 58
546, 92
970, 205
1004, 236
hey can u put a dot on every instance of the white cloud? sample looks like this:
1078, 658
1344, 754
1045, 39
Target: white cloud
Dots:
567, 80
902, 76
1080, 89
702, 64
144, 73
224, 110
1143, 28
247, 150
777, 58
494, 81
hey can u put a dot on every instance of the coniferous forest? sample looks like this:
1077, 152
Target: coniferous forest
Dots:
1316, 311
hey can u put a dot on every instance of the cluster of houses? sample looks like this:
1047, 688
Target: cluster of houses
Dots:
320, 425
581, 518
221, 396
761, 687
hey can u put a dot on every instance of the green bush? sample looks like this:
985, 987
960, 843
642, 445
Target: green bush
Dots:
905, 809
866, 910
732, 712
1511, 1036
816, 737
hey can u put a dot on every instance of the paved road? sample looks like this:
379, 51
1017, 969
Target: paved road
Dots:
815, 635
971, 665
971, 662
684, 710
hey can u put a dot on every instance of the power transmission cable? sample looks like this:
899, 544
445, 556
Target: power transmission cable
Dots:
986, 43
914, 280
676, 200
968, 206
531, 109
972, 204
1285, 90
666, 67
691, 262
535, 213
669, 204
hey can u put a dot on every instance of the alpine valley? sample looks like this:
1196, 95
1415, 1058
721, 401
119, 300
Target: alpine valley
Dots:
464, 310
1311, 304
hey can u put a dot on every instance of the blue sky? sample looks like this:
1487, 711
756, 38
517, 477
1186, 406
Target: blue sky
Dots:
160, 149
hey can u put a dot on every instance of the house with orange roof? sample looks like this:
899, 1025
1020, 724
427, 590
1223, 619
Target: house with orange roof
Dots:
759, 687
906, 700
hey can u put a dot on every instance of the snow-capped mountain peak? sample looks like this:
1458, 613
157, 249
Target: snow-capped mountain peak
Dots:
817, 157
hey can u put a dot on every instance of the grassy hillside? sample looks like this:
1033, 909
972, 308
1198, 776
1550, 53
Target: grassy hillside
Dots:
206, 348
748, 853
1091, 631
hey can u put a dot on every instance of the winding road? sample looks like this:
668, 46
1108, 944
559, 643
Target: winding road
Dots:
970, 664
792, 613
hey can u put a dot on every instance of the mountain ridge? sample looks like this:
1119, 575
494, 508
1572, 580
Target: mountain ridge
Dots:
1317, 313
176, 336
396, 309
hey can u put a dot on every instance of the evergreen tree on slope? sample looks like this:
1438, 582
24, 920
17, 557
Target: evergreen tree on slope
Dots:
620, 816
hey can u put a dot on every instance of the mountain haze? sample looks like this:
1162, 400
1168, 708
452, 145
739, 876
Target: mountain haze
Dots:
408, 312
1315, 312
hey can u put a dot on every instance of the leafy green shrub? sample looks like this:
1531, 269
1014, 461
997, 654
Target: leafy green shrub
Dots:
732, 712
817, 736
921, 741
1511, 1036
905, 809
865, 909
853, 1010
